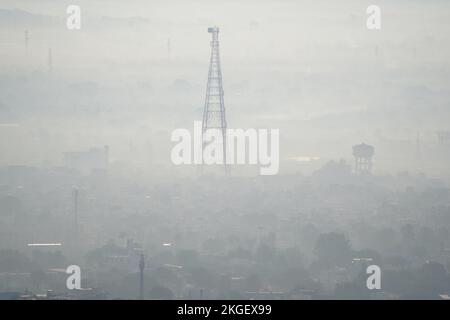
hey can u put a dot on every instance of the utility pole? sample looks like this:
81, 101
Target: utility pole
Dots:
141, 277
50, 61
26, 41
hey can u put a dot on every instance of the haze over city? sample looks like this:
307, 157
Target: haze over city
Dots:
87, 178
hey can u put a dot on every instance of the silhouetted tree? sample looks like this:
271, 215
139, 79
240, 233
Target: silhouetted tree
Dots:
333, 249
351, 290
13, 260
433, 279
253, 282
160, 293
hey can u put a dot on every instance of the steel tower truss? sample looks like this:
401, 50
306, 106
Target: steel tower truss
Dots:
214, 110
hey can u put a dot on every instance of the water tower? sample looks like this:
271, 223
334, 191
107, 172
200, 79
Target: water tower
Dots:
363, 154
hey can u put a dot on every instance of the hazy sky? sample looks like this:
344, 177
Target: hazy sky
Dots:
310, 68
